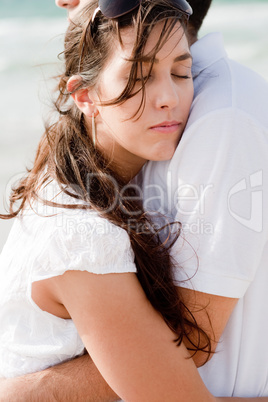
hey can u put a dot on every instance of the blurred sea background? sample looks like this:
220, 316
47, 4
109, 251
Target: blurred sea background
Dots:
31, 37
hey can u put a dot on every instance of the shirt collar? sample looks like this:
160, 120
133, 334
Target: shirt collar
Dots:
207, 51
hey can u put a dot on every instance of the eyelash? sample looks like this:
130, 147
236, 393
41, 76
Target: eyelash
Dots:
185, 77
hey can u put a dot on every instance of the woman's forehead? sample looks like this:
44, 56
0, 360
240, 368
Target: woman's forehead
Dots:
176, 39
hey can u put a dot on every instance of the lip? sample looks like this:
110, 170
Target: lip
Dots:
166, 126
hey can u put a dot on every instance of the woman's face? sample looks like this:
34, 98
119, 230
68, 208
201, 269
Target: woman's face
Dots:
169, 93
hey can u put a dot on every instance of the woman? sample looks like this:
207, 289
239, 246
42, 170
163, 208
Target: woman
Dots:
128, 70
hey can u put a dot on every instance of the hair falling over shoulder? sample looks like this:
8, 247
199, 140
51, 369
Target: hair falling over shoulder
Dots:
66, 154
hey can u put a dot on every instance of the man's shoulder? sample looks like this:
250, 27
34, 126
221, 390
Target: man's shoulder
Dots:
221, 83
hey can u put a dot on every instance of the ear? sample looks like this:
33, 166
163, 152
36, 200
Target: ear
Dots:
82, 97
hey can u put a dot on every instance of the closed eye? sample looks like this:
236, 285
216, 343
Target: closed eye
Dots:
184, 77
180, 77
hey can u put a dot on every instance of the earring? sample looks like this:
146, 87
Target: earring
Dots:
93, 130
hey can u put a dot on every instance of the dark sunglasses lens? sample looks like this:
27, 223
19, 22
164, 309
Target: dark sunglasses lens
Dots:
116, 8
184, 6
113, 9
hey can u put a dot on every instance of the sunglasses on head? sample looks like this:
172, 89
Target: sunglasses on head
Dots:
115, 9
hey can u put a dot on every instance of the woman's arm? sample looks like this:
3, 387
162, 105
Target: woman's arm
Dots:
79, 379
127, 339
116, 299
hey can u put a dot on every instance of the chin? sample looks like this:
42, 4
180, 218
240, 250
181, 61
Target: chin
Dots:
164, 154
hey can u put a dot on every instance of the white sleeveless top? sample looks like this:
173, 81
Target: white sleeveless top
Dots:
43, 243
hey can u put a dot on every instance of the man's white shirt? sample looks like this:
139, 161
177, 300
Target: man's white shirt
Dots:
216, 186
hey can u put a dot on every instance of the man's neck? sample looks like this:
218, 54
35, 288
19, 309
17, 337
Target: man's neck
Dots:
192, 39
191, 34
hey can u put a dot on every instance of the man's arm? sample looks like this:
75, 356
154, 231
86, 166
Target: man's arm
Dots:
73, 381
80, 380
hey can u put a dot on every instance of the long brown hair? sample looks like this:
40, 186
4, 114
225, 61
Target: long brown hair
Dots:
66, 154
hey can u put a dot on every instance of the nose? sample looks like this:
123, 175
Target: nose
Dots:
167, 95
67, 3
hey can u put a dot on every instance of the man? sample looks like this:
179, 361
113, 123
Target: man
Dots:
216, 186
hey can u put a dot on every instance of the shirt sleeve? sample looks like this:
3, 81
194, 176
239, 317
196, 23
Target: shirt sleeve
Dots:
219, 190
90, 243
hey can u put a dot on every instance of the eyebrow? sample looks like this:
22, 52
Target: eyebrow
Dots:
182, 57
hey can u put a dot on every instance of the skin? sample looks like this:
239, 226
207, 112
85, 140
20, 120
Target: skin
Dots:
72, 6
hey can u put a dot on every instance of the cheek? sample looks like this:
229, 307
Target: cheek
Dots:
124, 114
108, 116
112, 119
111, 90
110, 86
